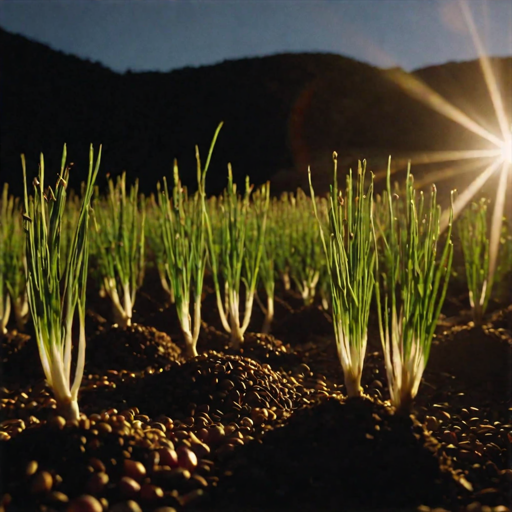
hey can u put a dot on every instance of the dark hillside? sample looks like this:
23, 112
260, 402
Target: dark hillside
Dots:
281, 114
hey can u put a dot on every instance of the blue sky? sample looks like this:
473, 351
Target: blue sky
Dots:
164, 35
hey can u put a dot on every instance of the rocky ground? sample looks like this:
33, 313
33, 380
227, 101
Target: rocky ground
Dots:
264, 428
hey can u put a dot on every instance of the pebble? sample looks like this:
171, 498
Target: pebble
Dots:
97, 483
190, 497
168, 457
134, 469
432, 423
85, 503
104, 428
126, 506
128, 486
42, 483
58, 497
97, 464
57, 422
186, 458
31, 468
151, 492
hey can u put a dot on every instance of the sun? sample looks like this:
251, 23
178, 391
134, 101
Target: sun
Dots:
506, 151
494, 161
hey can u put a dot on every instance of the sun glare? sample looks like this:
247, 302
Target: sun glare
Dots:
506, 151
493, 162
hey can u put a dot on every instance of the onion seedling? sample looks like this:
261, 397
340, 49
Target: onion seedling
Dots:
235, 254
349, 248
54, 295
154, 237
472, 228
119, 246
183, 224
13, 290
305, 258
411, 284
267, 263
277, 224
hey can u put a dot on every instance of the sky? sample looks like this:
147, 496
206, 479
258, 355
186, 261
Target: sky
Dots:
150, 35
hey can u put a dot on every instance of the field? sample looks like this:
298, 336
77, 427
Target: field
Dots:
249, 352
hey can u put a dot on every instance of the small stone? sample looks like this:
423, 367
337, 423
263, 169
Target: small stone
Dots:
151, 492
85, 503
474, 506
134, 469
42, 483
190, 497
57, 422
126, 506
200, 449
168, 457
31, 468
487, 492
186, 458
128, 486
97, 464
466, 484
104, 428
58, 497
97, 483
432, 423
506, 474
200, 480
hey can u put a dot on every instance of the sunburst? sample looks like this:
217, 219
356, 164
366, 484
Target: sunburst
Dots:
496, 159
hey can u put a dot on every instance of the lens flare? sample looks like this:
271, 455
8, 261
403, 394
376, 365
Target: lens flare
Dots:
506, 151
496, 160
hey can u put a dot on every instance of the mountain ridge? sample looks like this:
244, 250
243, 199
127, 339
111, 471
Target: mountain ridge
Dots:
282, 113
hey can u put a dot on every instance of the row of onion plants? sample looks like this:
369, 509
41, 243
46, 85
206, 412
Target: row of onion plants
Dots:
394, 258
352, 249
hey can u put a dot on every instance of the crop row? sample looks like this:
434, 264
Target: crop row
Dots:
352, 250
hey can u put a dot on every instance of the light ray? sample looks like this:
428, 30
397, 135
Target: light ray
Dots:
450, 172
417, 89
487, 71
432, 157
468, 194
497, 216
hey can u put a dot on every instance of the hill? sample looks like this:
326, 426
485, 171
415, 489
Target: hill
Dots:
281, 113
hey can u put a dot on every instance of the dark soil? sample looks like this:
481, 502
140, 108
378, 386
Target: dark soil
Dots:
267, 427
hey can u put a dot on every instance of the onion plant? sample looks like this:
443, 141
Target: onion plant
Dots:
277, 223
119, 246
267, 264
503, 276
183, 222
235, 250
154, 237
411, 285
13, 292
305, 258
53, 295
349, 247
472, 228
